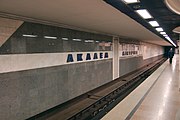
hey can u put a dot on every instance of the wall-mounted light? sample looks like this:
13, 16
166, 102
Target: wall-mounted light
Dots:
89, 41
76, 39
144, 13
130, 1
27, 35
64, 38
154, 23
159, 29
50, 37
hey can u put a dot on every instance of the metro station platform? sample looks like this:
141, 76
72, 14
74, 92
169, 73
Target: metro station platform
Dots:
157, 98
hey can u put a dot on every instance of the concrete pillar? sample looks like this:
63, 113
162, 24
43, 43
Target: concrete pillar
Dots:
179, 51
179, 60
115, 57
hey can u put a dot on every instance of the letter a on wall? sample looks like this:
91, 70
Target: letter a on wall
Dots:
70, 58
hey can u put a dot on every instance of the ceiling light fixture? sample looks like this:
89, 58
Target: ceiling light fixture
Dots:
154, 23
26, 35
165, 35
144, 13
130, 1
159, 29
50, 37
162, 33
169, 39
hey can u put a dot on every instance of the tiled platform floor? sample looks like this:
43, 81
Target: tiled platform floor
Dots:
163, 100
157, 98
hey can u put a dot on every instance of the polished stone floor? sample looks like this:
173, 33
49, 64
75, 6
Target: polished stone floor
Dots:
163, 100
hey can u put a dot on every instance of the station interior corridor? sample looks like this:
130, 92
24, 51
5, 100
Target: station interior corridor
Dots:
89, 60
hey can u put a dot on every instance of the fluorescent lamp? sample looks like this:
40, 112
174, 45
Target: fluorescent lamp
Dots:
169, 39
162, 33
97, 41
154, 23
25, 35
173, 44
144, 13
89, 41
159, 29
64, 38
76, 39
165, 35
50, 37
131, 1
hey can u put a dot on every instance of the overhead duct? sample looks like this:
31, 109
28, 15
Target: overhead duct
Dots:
177, 30
173, 5
7, 28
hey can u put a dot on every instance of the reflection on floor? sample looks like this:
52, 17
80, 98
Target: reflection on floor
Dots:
163, 100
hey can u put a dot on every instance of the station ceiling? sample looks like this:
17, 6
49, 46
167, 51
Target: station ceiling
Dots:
169, 20
160, 11
91, 15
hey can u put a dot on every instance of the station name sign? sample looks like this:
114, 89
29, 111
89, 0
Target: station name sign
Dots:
86, 56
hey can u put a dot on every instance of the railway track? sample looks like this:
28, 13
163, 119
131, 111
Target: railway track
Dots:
95, 104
